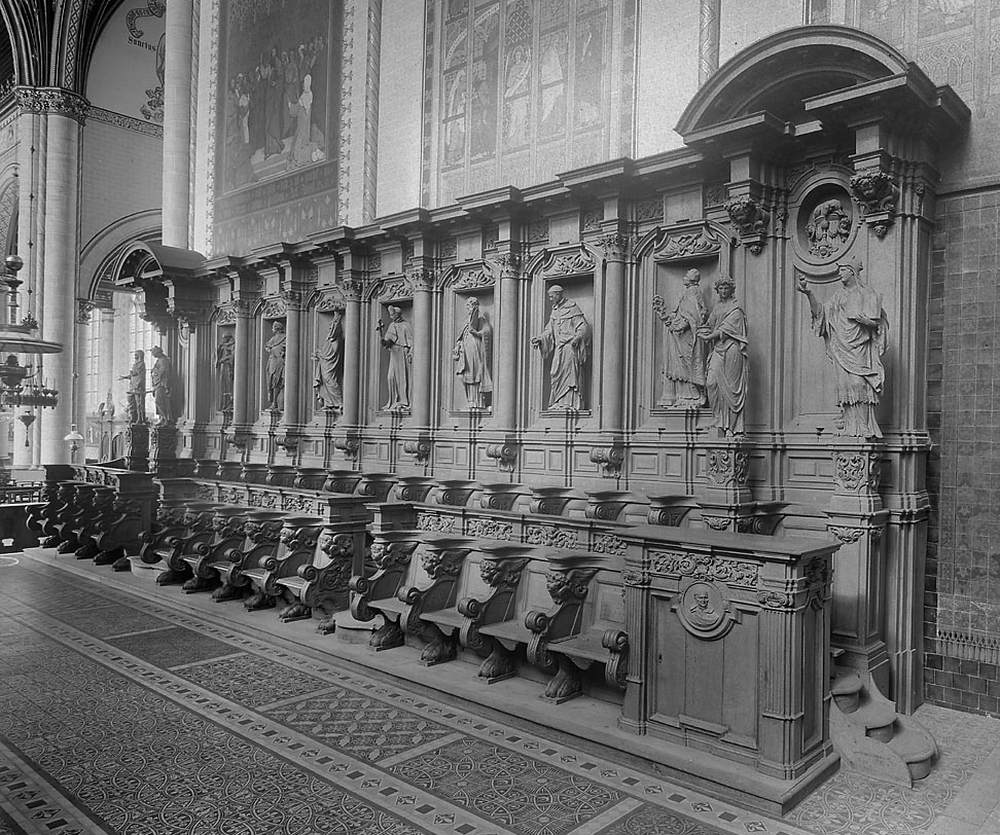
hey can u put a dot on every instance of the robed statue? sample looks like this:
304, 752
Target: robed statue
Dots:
328, 377
136, 393
684, 352
274, 351
853, 324
161, 381
397, 339
225, 364
726, 377
473, 355
565, 341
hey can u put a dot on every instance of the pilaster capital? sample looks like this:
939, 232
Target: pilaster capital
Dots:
84, 311
293, 298
242, 308
508, 265
352, 288
615, 246
52, 100
421, 279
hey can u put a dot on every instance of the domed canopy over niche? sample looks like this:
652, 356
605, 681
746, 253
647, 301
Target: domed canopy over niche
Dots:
780, 74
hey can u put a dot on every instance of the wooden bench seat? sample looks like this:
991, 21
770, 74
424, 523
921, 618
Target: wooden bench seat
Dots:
227, 536
296, 544
261, 537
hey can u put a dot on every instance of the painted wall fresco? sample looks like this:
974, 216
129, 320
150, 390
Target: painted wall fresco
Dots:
277, 127
519, 90
126, 74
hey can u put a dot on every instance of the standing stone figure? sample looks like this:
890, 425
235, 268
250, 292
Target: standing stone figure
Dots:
161, 381
328, 379
566, 340
136, 403
225, 363
854, 327
684, 353
397, 338
473, 355
274, 350
728, 369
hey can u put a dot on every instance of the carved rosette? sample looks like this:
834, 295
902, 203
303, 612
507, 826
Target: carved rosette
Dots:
877, 195
749, 220
857, 471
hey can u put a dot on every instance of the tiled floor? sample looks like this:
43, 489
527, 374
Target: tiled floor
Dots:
125, 714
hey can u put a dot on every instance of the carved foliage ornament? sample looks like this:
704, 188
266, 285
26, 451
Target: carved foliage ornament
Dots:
566, 585
474, 279
747, 216
489, 529
877, 195
52, 100
551, 536
705, 567
274, 309
673, 246
579, 262
857, 471
728, 467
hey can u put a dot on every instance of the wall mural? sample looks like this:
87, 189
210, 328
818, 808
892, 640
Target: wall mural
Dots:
279, 84
524, 91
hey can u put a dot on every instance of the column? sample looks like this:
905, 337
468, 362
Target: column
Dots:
505, 398
106, 359
613, 332
241, 366
293, 353
177, 122
710, 15
420, 397
59, 267
352, 352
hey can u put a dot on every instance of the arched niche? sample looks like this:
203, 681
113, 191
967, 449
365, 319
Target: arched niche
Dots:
392, 293
467, 288
326, 357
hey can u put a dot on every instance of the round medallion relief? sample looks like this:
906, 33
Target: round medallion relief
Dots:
702, 607
826, 224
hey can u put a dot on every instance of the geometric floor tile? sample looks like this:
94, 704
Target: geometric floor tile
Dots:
251, 680
366, 728
107, 620
652, 820
176, 645
519, 793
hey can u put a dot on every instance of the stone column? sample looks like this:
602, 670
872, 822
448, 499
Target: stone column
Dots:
293, 351
710, 16
60, 263
615, 247
106, 364
241, 366
505, 398
352, 351
177, 122
420, 397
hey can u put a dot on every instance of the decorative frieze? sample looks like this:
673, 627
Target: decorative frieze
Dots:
551, 536
705, 567
436, 522
52, 100
489, 529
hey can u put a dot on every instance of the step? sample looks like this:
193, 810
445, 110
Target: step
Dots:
915, 747
846, 689
878, 719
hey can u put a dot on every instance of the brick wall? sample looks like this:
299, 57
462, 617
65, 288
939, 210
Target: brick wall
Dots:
962, 596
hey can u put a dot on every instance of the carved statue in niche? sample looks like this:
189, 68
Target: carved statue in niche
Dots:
161, 381
328, 379
274, 350
136, 394
728, 369
684, 352
397, 339
473, 355
854, 327
225, 359
566, 341
828, 229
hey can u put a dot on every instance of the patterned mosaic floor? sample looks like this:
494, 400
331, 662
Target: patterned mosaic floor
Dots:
121, 715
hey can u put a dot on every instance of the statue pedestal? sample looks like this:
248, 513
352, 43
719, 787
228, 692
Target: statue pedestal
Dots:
137, 446
725, 498
857, 520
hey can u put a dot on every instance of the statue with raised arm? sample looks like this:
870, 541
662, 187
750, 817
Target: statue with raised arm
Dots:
136, 393
684, 352
397, 339
274, 350
565, 341
725, 333
161, 381
853, 324
328, 379
225, 364
473, 355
